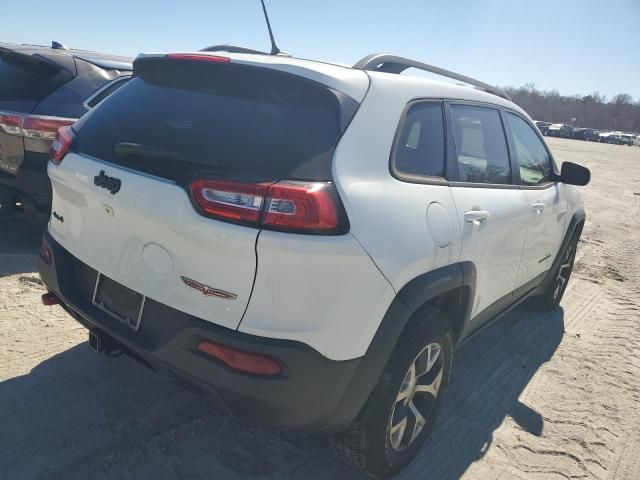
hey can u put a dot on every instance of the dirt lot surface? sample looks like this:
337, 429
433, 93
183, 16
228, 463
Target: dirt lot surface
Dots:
536, 396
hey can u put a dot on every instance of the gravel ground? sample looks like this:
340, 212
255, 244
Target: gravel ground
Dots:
536, 396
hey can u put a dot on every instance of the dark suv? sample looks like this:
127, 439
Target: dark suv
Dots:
41, 89
588, 134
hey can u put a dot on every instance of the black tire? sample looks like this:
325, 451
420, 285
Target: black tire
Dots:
550, 299
367, 444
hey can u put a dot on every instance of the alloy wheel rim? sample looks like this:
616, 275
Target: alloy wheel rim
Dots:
564, 271
416, 397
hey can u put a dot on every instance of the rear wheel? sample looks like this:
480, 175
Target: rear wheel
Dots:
397, 418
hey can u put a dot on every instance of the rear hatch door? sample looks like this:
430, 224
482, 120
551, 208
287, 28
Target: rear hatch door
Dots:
176, 121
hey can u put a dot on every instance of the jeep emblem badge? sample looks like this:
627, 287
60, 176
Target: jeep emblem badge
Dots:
110, 183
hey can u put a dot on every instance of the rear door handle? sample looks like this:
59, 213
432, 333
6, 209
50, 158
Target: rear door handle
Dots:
476, 216
538, 207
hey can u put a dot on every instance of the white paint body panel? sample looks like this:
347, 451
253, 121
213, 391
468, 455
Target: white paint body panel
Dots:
493, 245
156, 217
545, 233
389, 216
321, 290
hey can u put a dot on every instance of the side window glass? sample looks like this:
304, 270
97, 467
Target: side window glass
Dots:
420, 145
106, 92
481, 146
532, 157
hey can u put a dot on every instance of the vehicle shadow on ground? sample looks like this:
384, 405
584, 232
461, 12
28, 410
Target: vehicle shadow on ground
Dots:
78, 415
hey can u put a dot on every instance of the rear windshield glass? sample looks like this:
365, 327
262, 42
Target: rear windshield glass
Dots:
178, 119
25, 81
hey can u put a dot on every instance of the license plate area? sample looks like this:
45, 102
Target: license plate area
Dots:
118, 301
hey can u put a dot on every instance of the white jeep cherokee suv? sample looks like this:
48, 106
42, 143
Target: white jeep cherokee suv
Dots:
307, 242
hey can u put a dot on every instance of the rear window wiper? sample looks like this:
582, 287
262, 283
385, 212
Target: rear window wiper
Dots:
125, 149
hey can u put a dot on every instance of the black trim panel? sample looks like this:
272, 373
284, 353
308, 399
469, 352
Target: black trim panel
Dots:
408, 300
304, 396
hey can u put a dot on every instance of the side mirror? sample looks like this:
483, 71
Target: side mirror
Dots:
574, 174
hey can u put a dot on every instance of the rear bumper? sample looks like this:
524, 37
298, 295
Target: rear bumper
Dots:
31, 183
311, 393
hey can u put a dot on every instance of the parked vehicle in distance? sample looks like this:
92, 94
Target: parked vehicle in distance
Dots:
588, 134
542, 126
630, 139
301, 238
614, 138
561, 130
41, 89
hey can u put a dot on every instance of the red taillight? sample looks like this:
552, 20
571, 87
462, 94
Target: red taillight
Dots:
35, 126
199, 57
301, 206
61, 144
236, 201
310, 207
242, 361
10, 123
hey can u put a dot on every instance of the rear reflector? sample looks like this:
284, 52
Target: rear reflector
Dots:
50, 299
241, 361
45, 253
306, 207
61, 144
198, 57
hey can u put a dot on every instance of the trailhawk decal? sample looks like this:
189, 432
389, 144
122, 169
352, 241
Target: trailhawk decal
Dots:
208, 291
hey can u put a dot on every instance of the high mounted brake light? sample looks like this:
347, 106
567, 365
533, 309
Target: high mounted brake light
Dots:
33, 126
61, 144
304, 207
198, 57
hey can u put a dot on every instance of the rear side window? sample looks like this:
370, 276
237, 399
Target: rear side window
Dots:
419, 148
25, 81
182, 119
533, 159
96, 98
481, 146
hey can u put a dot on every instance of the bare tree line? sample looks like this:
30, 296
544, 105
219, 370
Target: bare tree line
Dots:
592, 111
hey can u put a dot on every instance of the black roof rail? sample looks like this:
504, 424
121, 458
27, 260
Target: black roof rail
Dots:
232, 49
384, 62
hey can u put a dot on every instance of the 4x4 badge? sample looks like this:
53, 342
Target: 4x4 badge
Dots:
208, 291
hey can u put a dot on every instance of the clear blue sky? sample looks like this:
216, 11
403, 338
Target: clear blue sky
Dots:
570, 45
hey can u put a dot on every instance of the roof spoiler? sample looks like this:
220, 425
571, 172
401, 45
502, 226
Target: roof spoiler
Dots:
108, 64
58, 62
232, 49
384, 62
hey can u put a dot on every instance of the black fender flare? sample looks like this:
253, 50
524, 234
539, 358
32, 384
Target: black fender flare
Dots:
575, 228
408, 300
